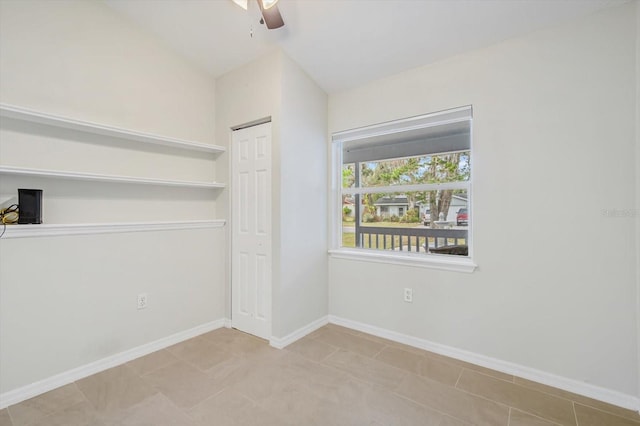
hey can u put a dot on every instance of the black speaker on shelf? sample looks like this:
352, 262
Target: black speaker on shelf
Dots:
30, 206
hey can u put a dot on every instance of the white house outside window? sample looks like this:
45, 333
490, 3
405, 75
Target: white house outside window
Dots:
403, 191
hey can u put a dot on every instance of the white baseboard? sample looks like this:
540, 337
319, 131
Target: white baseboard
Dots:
581, 388
280, 343
34, 389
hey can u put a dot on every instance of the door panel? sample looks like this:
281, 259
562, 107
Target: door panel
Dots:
251, 230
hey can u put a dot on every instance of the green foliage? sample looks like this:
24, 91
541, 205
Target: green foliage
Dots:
348, 175
411, 216
449, 167
394, 218
369, 218
441, 168
369, 201
346, 210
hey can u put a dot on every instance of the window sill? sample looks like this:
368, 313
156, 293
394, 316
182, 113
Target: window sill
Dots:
433, 261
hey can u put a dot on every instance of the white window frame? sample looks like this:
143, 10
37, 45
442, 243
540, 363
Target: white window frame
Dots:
425, 260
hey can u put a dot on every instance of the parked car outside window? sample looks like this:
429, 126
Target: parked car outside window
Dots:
462, 218
426, 217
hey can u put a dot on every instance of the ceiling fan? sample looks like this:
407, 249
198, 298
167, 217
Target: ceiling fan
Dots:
270, 14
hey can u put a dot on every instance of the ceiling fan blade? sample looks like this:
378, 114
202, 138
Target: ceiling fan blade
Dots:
271, 16
242, 3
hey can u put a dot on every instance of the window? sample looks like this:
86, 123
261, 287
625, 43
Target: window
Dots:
406, 185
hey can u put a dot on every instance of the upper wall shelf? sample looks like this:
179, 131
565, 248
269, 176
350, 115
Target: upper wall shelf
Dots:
21, 171
19, 113
55, 230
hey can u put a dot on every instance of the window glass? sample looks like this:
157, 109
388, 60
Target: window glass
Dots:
407, 191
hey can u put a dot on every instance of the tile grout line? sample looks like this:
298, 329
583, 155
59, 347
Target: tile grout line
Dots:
575, 414
368, 382
185, 411
99, 415
491, 376
561, 398
84, 396
56, 411
508, 406
335, 349
570, 399
175, 358
208, 398
467, 392
573, 402
464, 391
459, 376
357, 335
427, 406
602, 411
552, 422
379, 352
509, 418
10, 416
605, 411
459, 390
178, 359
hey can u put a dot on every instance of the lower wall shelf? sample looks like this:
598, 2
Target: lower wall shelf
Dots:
22, 171
49, 230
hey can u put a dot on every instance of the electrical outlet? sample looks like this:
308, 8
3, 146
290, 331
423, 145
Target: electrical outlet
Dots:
408, 295
142, 300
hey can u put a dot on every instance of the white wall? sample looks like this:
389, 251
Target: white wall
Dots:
275, 87
242, 97
554, 136
303, 203
93, 59
74, 297
637, 170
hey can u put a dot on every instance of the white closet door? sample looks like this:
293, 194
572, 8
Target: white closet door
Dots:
251, 230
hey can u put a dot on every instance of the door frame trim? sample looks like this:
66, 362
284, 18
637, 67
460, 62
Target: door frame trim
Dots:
253, 123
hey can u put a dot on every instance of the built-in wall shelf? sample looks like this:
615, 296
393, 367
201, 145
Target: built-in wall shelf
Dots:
20, 171
19, 113
53, 230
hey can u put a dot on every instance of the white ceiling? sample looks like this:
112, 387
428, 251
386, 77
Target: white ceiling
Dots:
344, 43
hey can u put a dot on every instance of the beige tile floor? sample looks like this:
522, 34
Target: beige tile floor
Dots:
335, 376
